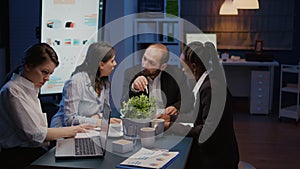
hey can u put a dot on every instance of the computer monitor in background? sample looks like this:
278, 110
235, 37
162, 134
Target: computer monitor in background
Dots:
69, 26
202, 37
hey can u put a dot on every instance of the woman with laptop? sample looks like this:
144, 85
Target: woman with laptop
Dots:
85, 93
23, 125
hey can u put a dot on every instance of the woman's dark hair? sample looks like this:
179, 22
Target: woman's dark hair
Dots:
194, 52
204, 55
96, 53
35, 55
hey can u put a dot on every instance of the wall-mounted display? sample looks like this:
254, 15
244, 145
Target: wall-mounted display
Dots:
69, 26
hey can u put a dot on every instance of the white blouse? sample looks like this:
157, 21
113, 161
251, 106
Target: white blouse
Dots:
79, 102
22, 122
199, 84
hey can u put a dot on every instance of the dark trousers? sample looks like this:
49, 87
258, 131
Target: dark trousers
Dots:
20, 157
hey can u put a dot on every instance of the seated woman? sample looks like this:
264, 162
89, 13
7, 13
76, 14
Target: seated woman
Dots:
214, 142
85, 93
23, 126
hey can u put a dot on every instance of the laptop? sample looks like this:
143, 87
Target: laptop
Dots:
93, 144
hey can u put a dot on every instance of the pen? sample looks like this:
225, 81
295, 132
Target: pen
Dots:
146, 90
73, 120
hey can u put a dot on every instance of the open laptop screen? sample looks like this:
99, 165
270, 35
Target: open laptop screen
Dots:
104, 125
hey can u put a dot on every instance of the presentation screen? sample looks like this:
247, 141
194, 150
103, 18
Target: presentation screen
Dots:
202, 37
69, 26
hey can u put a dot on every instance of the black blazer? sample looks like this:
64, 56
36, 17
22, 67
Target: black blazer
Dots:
220, 150
173, 85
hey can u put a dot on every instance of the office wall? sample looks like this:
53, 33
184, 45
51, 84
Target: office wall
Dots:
3, 38
2, 66
23, 19
124, 48
194, 10
272, 23
3, 22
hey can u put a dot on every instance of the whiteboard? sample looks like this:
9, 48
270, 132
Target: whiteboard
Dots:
69, 26
202, 37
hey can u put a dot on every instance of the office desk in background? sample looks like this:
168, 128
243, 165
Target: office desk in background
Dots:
254, 80
111, 160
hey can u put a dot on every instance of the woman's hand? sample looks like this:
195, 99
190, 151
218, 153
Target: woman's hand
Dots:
112, 120
167, 125
87, 126
96, 116
73, 130
167, 119
115, 121
67, 132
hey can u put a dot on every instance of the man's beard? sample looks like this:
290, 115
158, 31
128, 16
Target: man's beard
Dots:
151, 74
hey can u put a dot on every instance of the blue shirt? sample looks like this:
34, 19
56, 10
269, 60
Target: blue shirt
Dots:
79, 102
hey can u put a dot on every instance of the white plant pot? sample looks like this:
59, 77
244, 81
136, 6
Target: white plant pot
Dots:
132, 127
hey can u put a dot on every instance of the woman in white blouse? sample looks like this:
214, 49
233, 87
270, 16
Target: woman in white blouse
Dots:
85, 93
214, 141
23, 125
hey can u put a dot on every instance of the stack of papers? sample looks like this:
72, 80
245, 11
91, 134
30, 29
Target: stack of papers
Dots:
146, 158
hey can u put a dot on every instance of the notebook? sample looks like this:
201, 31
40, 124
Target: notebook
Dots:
93, 145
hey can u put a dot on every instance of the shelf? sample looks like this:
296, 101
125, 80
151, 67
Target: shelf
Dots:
290, 89
158, 30
157, 20
290, 68
158, 27
290, 112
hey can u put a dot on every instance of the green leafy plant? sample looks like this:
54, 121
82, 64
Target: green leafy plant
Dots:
138, 107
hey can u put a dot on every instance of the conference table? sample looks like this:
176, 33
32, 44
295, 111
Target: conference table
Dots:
112, 159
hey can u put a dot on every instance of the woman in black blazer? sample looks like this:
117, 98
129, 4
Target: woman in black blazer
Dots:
214, 142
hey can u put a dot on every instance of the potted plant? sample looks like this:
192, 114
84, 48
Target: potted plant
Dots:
136, 114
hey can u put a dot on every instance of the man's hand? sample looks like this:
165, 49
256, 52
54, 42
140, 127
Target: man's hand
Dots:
140, 83
171, 110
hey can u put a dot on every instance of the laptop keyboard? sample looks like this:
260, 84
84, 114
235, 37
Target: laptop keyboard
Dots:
84, 146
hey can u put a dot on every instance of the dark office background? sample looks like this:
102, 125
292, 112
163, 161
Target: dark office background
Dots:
19, 19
